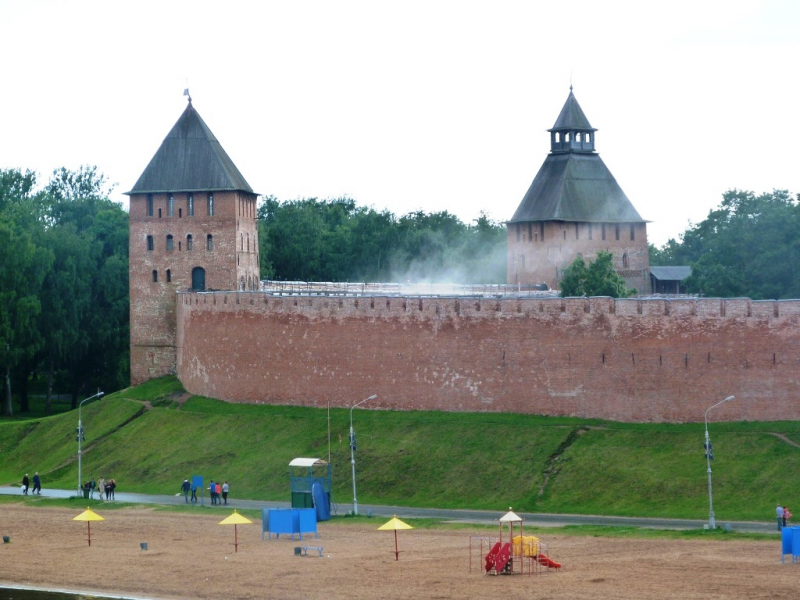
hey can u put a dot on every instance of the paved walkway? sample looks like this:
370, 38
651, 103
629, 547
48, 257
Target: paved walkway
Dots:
465, 516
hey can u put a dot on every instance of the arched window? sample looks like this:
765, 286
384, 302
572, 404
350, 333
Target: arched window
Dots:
190, 205
626, 263
209, 242
155, 276
633, 232
616, 231
169, 242
170, 205
248, 242
558, 138
150, 244
578, 137
241, 237
149, 205
211, 205
169, 275
566, 137
189, 242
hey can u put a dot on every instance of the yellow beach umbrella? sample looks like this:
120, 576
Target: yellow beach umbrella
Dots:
235, 519
394, 524
89, 515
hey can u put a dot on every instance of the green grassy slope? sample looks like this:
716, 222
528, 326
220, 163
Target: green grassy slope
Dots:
472, 460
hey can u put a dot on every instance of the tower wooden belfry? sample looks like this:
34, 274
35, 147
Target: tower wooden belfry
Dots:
192, 226
575, 206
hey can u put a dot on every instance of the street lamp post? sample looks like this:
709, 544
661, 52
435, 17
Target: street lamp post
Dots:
353, 451
712, 523
99, 394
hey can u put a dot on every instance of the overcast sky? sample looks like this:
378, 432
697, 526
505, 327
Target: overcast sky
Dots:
414, 105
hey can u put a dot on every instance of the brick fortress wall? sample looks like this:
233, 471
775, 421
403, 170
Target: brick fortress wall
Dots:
628, 360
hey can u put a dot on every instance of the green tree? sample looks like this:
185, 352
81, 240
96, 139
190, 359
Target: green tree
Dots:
598, 278
748, 246
66, 299
23, 266
87, 295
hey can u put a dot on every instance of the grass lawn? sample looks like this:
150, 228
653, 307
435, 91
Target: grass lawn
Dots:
151, 437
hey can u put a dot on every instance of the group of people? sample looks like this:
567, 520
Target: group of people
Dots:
105, 488
783, 515
37, 484
218, 492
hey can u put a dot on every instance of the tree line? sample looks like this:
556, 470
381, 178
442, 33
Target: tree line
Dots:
336, 240
749, 246
64, 308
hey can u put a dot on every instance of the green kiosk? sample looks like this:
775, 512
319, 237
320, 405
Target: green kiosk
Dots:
303, 473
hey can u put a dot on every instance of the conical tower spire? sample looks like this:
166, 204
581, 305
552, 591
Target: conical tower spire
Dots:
572, 131
190, 159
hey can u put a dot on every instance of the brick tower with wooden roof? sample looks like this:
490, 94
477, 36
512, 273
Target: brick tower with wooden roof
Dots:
575, 207
192, 227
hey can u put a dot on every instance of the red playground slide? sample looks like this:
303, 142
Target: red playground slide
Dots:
543, 559
490, 558
502, 558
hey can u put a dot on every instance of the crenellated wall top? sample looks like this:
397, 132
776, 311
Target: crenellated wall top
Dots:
483, 307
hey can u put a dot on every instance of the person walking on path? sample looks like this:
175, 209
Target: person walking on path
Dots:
212, 490
779, 513
110, 487
37, 484
101, 487
219, 493
92, 486
225, 489
194, 492
25, 484
185, 487
786, 516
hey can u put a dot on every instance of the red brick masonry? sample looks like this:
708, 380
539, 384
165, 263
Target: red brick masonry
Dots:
627, 360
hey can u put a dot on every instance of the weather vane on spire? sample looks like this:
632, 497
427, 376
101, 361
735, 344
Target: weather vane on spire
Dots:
186, 93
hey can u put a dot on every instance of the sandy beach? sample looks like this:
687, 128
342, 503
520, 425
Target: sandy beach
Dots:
192, 556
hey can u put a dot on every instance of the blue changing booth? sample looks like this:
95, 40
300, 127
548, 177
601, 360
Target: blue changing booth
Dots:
303, 474
289, 521
790, 543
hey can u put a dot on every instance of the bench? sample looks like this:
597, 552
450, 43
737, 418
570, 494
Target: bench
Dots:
307, 548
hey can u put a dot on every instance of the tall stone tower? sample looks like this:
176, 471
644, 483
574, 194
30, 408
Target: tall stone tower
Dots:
575, 206
192, 226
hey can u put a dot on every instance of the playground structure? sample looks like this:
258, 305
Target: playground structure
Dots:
310, 480
521, 554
